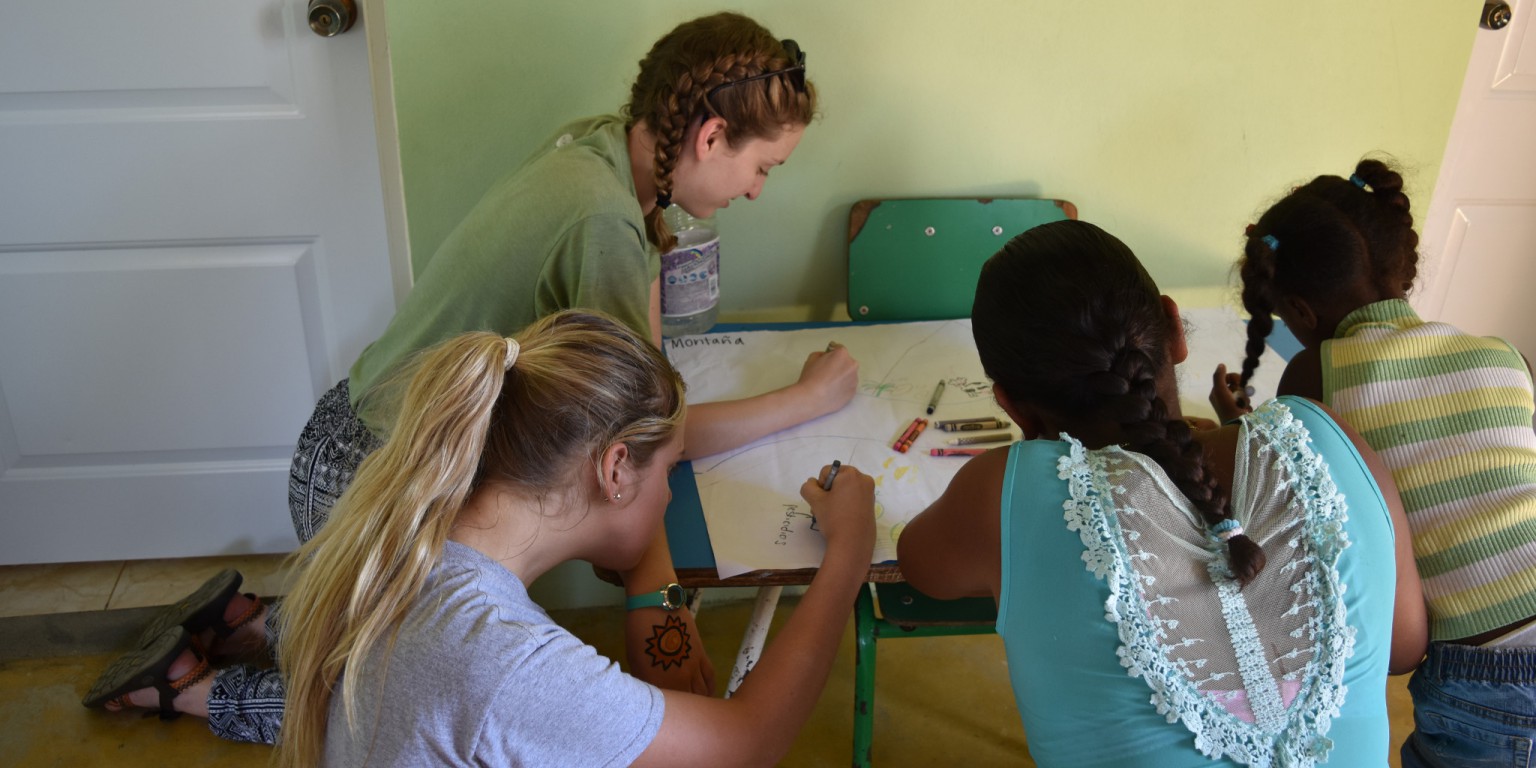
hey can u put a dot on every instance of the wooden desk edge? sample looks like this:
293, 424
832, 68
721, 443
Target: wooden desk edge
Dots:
879, 573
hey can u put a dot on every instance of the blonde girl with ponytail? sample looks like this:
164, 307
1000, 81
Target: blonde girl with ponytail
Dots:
409, 636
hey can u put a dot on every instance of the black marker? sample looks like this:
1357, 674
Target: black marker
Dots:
826, 485
933, 402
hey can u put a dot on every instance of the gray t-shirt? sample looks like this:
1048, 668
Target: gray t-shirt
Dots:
480, 675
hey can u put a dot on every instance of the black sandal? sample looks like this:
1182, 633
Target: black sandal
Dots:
203, 609
149, 667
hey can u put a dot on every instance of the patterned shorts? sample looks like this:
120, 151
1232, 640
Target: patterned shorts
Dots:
246, 700
334, 443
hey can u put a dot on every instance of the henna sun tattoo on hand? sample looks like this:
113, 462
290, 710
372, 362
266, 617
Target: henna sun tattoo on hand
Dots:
669, 645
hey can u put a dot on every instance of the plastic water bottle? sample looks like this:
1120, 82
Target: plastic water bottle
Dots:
690, 276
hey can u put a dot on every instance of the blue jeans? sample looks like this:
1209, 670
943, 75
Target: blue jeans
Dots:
1473, 708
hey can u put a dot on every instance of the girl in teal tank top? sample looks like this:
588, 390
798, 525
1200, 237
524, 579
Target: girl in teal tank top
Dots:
1167, 597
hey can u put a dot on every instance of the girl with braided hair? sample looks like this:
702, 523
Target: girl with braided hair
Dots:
718, 103
1244, 574
1451, 415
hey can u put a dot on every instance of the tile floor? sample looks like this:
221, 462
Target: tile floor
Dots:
940, 701
27, 590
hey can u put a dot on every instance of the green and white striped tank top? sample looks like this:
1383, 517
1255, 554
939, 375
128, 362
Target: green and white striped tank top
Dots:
1450, 414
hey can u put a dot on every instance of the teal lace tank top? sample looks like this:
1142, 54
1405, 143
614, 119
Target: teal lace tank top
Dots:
1130, 645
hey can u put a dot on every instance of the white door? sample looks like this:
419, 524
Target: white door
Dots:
192, 249
1479, 247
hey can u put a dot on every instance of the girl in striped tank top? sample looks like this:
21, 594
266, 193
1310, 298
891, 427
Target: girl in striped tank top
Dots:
1452, 416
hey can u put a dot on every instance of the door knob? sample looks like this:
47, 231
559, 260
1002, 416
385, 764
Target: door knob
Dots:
1495, 16
329, 18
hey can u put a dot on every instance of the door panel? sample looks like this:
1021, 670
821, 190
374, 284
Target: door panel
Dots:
151, 59
1490, 291
1479, 243
192, 250
177, 375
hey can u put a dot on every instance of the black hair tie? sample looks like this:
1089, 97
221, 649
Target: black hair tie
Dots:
664, 200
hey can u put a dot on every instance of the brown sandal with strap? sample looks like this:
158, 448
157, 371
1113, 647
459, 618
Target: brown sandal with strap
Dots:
204, 609
149, 667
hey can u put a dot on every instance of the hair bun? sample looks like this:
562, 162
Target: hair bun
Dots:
1386, 184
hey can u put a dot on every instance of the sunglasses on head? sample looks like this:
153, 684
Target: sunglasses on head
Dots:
794, 73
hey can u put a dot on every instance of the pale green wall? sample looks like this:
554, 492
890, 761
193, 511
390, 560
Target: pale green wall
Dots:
1169, 124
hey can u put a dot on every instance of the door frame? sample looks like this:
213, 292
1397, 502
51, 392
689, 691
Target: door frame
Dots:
387, 132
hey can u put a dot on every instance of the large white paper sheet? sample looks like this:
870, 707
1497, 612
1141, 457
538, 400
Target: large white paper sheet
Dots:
751, 495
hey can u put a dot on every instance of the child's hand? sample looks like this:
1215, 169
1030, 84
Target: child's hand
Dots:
829, 378
845, 514
1228, 396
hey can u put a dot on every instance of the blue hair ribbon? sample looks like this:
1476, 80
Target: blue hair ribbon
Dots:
1227, 529
1271, 241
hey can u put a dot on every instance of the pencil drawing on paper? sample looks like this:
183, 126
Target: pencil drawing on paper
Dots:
751, 495
971, 387
885, 389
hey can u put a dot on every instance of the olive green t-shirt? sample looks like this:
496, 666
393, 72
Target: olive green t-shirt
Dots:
560, 232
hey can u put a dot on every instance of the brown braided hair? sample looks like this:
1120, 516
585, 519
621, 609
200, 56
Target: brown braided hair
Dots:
1330, 237
671, 94
1068, 320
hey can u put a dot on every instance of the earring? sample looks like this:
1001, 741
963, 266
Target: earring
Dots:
614, 497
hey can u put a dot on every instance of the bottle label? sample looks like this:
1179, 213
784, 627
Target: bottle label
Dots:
690, 278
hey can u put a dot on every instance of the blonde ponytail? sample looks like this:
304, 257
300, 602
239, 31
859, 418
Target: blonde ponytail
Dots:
360, 574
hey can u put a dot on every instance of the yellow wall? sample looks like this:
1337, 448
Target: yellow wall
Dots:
1170, 124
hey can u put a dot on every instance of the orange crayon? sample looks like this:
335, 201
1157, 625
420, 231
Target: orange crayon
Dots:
910, 436
922, 425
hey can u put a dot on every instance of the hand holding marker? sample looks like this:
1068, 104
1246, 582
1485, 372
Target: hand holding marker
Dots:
826, 485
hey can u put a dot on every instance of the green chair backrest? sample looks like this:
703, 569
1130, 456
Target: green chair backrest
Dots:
919, 259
